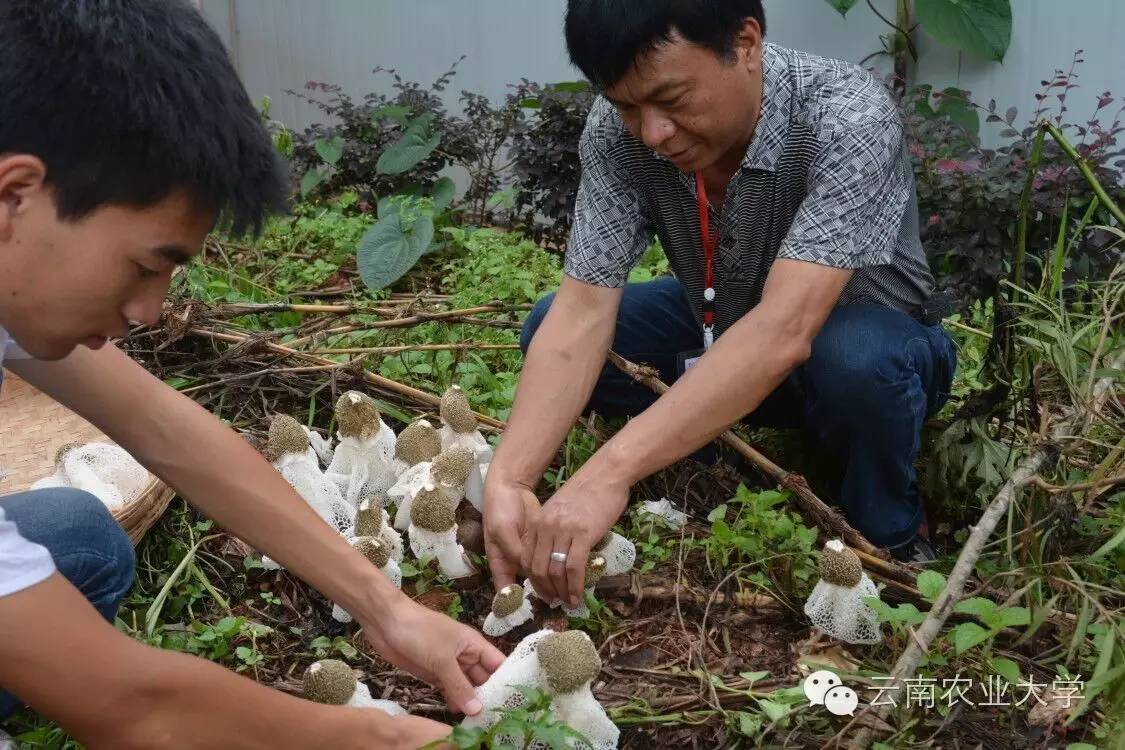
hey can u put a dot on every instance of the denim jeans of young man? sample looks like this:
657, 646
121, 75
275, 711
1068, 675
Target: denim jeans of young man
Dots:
89, 549
874, 376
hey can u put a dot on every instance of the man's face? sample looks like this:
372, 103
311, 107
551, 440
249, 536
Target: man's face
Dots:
688, 104
70, 283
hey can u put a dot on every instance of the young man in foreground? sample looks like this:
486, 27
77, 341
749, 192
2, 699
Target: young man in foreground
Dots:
782, 193
124, 134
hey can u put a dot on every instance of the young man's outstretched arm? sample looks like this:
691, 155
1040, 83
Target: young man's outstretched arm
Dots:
108, 691
225, 478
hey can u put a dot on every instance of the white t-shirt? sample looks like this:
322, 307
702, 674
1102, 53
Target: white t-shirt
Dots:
22, 563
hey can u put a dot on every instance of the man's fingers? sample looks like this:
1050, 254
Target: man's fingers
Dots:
576, 570
504, 570
541, 568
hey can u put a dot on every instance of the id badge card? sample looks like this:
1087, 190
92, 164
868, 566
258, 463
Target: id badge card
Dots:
685, 360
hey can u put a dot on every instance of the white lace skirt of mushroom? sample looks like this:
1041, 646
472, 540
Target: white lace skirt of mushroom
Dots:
417, 446
333, 682
836, 605
561, 664
378, 553
362, 463
287, 448
433, 533
510, 609
104, 470
460, 427
373, 520
620, 553
596, 569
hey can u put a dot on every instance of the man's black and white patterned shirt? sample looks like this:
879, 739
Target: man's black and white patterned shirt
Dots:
826, 179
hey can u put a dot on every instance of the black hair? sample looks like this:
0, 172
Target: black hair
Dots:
127, 101
605, 37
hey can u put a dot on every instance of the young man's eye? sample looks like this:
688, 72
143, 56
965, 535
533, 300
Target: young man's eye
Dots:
145, 272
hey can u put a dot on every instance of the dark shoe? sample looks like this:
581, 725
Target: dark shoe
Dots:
917, 551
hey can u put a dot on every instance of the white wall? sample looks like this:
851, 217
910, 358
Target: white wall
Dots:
281, 44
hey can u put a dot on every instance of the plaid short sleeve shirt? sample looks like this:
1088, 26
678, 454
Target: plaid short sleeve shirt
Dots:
826, 179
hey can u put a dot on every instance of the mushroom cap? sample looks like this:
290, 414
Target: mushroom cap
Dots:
329, 681
374, 549
595, 570
507, 600
369, 519
841, 567
432, 511
455, 410
286, 436
65, 448
452, 466
418, 442
569, 660
357, 416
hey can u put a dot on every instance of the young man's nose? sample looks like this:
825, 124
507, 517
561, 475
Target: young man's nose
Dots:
146, 307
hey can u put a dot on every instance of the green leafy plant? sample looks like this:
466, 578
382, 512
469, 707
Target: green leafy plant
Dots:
403, 233
323, 647
529, 725
761, 532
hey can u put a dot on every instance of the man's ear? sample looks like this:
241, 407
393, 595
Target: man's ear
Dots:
22, 178
748, 44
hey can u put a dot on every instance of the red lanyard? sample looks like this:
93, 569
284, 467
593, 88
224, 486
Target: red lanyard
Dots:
709, 242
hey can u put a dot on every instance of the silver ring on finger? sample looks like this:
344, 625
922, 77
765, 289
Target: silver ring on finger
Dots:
559, 557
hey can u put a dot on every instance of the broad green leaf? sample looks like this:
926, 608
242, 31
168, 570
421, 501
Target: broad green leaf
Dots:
968, 634
980, 27
393, 112
931, 583
842, 6
885, 612
330, 150
1007, 669
311, 179
415, 145
390, 249
1080, 746
773, 710
1013, 616
718, 513
749, 725
442, 194
977, 606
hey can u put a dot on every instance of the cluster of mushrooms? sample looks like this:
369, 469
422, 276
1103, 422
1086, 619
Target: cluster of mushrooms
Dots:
428, 482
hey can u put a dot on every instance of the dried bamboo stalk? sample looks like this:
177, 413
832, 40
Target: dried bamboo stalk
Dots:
380, 382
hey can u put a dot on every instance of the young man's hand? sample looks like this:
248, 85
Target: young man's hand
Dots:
413, 732
508, 509
437, 649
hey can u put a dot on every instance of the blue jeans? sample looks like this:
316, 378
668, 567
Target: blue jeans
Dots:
89, 549
874, 376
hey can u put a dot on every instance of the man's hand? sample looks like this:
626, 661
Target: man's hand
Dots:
437, 649
571, 522
508, 509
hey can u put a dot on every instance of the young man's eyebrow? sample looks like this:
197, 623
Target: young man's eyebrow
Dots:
174, 253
